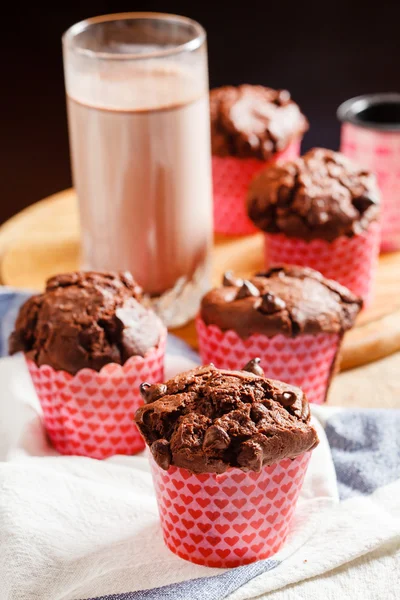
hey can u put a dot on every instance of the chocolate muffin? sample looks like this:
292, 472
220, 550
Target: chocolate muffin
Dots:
288, 300
85, 320
252, 121
209, 420
321, 195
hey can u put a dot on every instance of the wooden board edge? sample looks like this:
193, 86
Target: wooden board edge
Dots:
362, 345
11, 229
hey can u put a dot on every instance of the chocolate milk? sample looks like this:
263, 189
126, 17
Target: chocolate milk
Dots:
141, 168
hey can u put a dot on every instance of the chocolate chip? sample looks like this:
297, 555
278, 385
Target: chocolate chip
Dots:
253, 366
230, 280
251, 455
162, 454
271, 304
216, 438
152, 392
287, 398
247, 290
285, 196
363, 203
143, 389
145, 418
283, 98
271, 272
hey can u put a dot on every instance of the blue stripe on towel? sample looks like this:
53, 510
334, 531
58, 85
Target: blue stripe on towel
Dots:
365, 445
204, 588
10, 301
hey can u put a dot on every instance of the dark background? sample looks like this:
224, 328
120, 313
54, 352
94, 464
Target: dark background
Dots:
322, 52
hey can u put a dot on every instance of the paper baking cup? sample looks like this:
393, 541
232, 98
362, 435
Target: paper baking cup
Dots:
231, 519
350, 261
307, 361
231, 179
91, 413
379, 151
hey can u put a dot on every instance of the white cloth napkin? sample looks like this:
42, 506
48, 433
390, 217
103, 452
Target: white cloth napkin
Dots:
74, 528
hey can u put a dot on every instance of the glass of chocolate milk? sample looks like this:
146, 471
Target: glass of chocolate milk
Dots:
138, 114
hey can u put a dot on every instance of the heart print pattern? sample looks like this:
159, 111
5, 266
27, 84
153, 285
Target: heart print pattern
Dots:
379, 151
307, 361
231, 519
350, 261
231, 179
91, 413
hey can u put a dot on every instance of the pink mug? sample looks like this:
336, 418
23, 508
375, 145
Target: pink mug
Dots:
371, 137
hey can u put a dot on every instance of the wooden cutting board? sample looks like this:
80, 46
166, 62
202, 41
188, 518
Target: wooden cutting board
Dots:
43, 240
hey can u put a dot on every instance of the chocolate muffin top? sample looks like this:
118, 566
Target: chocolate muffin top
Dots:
85, 320
289, 300
208, 420
321, 195
252, 121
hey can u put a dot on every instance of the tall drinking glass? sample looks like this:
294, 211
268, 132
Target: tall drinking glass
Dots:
138, 114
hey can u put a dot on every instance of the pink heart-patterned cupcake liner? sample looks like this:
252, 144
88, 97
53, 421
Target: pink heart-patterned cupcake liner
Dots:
307, 361
230, 519
350, 261
231, 179
379, 151
91, 413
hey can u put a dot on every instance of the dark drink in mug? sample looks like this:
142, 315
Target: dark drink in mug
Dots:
371, 137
